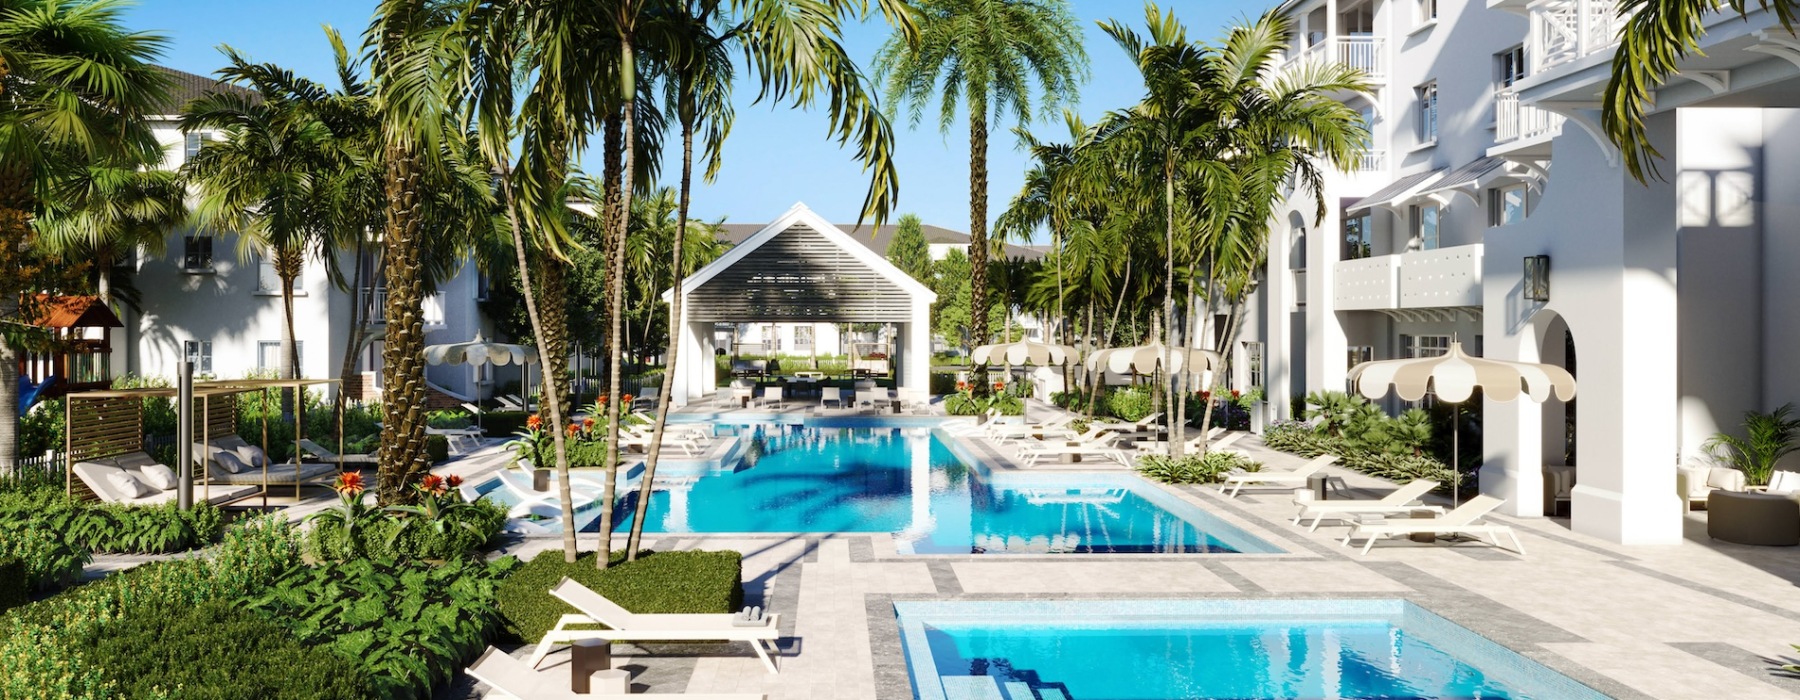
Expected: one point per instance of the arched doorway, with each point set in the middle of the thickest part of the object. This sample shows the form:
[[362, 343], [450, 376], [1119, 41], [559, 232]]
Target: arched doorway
[[1556, 346]]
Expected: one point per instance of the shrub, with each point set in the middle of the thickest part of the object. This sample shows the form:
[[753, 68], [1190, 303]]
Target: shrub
[[1207, 468], [503, 422], [408, 625], [943, 383], [1769, 437], [437, 447], [1130, 404], [385, 536], [218, 651], [41, 429], [15, 588], [658, 582], [107, 527], [449, 419], [50, 561], [1305, 441]]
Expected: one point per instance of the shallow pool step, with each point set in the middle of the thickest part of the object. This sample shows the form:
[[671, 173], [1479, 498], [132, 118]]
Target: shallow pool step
[[1018, 690], [971, 688]]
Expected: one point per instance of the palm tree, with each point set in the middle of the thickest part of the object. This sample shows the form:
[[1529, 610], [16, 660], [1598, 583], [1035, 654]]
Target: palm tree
[[987, 52], [105, 212], [75, 87]]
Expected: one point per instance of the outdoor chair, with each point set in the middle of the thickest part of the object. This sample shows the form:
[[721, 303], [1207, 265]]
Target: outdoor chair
[[1216, 439], [1236, 481], [103, 476], [627, 626], [507, 402], [1399, 501], [1147, 426], [772, 397], [1001, 433], [873, 397], [830, 395], [649, 397], [1463, 520], [324, 455], [520, 485], [1696, 483], [516, 679]]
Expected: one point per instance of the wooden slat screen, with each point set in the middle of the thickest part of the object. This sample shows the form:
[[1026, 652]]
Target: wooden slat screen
[[100, 428], [221, 416], [799, 275]]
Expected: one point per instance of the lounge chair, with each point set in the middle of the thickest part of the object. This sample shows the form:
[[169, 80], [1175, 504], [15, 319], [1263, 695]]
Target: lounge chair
[[473, 409], [324, 455], [1146, 426], [1463, 520], [627, 626], [1401, 500], [528, 471], [516, 679], [97, 475], [872, 396], [772, 397], [520, 485], [1216, 439], [830, 395], [523, 405], [649, 397], [1001, 433], [642, 441], [506, 402], [1238, 480], [1094, 442]]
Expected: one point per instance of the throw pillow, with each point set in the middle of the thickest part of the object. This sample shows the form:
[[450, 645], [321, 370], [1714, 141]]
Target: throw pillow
[[127, 485], [1728, 479], [1784, 482], [252, 456], [159, 476], [229, 461]]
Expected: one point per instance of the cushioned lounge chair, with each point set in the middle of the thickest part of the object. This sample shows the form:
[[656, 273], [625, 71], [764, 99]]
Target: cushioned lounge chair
[[1463, 520], [324, 455], [517, 679], [94, 473], [627, 626]]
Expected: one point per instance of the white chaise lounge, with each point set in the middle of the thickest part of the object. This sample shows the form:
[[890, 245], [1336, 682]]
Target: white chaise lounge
[[520, 485], [1463, 520], [1236, 482], [99, 476], [516, 679], [320, 453], [628, 626], [1399, 501]]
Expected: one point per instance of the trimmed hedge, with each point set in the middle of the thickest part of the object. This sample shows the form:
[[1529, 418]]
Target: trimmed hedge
[[219, 651], [658, 582], [15, 588], [503, 423], [437, 447], [382, 536]]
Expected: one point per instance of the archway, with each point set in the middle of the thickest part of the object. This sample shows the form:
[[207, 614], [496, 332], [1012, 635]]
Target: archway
[[1556, 346]]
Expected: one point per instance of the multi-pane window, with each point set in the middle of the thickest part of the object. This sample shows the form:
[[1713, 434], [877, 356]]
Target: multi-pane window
[[1358, 240], [201, 351], [1425, 226], [803, 337], [1509, 66], [1428, 11], [197, 253], [192, 142], [1426, 111], [269, 281], [1507, 205], [1253, 364], [268, 354], [1427, 345]]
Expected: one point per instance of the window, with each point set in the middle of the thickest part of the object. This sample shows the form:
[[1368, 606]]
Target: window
[[1425, 226], [1357, 238], [202, 348], [481, 285], [772, 338], [1253, 364], [269, 282], [1507, 205], [1427, 11], [1427, 111], [1357, 355], [268, 354], [193, 142], [1426, 345], [197, 253], [1509, 66], [803, 337]]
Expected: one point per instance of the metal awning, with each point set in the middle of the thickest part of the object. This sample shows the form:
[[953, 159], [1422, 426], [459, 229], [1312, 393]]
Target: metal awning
[[1467, 175], [1396, 191]]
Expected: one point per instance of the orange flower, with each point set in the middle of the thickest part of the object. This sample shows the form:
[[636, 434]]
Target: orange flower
[[603, 399], [433, 484], [587, 423], [534, 422], [453, 481], [573, 429], [349, 484], [626, 398], [999, 386]]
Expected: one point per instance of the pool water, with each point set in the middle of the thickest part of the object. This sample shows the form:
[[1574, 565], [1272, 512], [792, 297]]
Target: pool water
[[794, 478], [1190, 650]]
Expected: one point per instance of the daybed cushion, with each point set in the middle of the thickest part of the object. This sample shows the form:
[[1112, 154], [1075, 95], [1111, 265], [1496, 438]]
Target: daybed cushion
[[93, 473], [252, 455], [127, 485], [278, 474], [1728, 479], [159, 476]]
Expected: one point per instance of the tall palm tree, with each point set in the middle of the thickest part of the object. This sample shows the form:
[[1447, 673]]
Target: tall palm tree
[[104, 212], [75, 87], [987, 53]]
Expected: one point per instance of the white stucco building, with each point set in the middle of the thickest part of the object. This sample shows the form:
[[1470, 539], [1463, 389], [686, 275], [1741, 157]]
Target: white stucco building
[[1486, 150]]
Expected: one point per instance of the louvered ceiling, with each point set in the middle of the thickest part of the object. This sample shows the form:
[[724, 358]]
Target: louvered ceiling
[[799, 275]]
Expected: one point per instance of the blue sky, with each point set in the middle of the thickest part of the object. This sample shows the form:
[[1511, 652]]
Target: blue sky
[[776, 155]]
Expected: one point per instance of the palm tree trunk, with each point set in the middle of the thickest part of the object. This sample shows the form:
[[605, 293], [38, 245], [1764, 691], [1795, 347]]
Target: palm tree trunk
[[978, 249], [1112, 329], [16, 203], [616, 298], [353, 337], [403, 456], [1171, 405], [646, 482]]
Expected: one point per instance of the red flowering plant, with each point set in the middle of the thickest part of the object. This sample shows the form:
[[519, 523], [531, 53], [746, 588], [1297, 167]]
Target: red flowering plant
[[440, 500], [533, 445], [352, 508]]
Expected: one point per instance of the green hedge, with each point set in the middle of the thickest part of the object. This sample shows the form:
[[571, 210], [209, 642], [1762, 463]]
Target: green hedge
[[219, 651], [49, 560], [15, 588], [1130, 404], [658, 582], [110, 527], [503, 423], [437, 447], [409, 625]]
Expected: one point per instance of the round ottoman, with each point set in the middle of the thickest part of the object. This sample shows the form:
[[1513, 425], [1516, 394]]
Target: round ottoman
[[1753, 518]]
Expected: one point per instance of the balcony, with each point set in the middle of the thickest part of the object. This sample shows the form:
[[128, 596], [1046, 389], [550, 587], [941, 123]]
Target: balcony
[[1563, 31], [1515, 120], [1420, 279], [374, 299], [1365, 53], [1371, 161]]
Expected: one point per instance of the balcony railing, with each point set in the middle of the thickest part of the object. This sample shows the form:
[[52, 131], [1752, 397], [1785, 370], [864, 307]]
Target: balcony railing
[[1367, 283], [1566, 30], [1371, 161], [1364, 53], [1515, 120], [1420, 279], [374, 300]]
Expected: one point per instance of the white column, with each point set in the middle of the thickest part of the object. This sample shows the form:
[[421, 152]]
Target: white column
[[693, 368], [917, 337]]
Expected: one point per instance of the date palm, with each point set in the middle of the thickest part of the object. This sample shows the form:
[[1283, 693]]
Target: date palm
[[987, 53], [103, 213], [75, 86]]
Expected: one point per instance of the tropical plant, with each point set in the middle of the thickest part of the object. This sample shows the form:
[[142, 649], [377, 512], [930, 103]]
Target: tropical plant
[[1768, 437], [77, 88], [351, 510], [987, 53], [1203, 468], [436, 509], [1333, 410], [908, 250], [104, 213]]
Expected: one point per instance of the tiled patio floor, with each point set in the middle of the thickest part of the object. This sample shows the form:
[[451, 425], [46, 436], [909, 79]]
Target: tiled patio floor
[[1700, 620]]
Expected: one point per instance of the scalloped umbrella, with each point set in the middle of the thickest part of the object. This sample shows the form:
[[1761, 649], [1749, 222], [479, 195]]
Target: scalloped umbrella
[[481, 351], [1024, 352], [1146, 359], [1453, 376]]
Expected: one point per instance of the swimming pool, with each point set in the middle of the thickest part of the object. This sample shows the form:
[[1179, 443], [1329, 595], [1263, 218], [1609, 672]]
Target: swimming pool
[[907, 480], [1204, 649]]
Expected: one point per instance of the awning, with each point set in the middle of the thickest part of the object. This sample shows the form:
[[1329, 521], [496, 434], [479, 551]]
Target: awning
[[1395, 192], [1467, 175]]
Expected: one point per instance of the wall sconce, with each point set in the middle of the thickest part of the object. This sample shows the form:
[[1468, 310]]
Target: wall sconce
[[1537, 278]]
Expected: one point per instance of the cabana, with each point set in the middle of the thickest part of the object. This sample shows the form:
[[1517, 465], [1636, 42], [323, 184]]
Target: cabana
[[105, 436]]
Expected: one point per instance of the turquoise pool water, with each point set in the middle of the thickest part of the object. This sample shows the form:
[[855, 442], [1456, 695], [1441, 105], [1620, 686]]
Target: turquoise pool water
[[1216, 649], [793, 478]]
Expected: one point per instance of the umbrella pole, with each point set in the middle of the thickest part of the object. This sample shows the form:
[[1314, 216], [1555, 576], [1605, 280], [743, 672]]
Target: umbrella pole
[[1456, 454]]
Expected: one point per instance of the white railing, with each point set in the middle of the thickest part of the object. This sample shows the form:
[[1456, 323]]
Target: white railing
[[1371, 161], [374, 300], [1566, 30], [1366, 283], [1514, 119], [1364, 53], [1441, 277]]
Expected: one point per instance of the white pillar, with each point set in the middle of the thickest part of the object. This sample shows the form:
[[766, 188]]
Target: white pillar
[[917, 337], [693, 369]]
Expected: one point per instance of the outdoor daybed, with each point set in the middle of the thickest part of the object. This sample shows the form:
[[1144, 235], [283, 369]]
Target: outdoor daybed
[[230, 466], [99, 476]]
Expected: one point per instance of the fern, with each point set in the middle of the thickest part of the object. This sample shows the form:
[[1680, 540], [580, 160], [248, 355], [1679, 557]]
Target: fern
[[1768, 437]]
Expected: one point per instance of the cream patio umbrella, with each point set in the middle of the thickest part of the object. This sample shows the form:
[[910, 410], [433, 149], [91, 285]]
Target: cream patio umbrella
[[1024, 352], [1147, 359], [481, 351], [1453, 376]]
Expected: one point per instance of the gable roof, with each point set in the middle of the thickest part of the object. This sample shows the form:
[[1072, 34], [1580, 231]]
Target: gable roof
[[75, 312], [877, 239], [185, 87]]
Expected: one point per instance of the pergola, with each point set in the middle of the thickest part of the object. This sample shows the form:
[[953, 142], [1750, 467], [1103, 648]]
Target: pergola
[[802, 269]]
